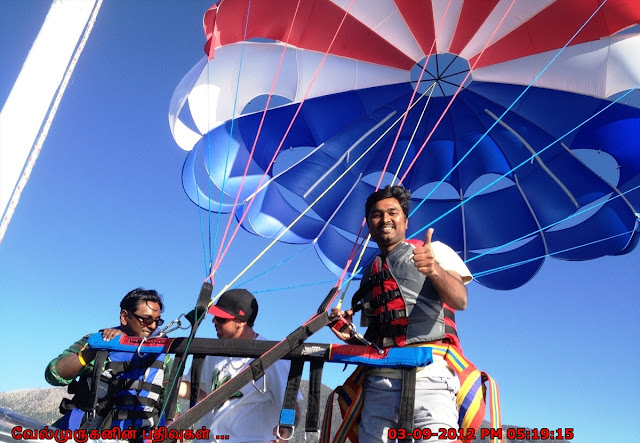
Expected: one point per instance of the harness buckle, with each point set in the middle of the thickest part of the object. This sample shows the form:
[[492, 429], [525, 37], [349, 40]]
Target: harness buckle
[[290, 436], [395, 314], [91, 415], [264, 384]]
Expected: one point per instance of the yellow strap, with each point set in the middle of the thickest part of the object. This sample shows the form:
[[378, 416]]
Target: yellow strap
[[82, 362]]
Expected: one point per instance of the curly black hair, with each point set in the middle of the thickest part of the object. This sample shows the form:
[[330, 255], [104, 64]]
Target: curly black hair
[[398, 192], [132, 300]]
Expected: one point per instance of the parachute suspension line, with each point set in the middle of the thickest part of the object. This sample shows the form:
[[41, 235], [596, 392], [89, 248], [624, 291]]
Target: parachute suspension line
[[415, 158], [356, 265], [44, 131], [525, 161], [255, 142], [352, 254], [524, 262], [315, 76], [365, 241], [303, 213], [261, 291], [212, 244], [268, 182], [345, 155], [354, 249], [210, 272], [360, 140], [415, 90], [415, 130], [202, 237], [583, 211], [226, 163], [282, 262], [328, 222], [174, 380], [208, 258], [505, 111], [300, 250]]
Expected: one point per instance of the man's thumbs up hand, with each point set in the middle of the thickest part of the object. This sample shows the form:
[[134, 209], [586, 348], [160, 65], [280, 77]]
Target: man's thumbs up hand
[[424, 258]]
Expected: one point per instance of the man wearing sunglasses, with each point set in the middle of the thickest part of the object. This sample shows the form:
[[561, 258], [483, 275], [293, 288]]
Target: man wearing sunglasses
[[140, 313], [251, 413]]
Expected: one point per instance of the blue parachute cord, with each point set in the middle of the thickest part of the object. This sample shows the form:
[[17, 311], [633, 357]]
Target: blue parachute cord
[[524, 262], [300, 251], [521, 164], [569, 217], [230, 138], [211, 245], [294, 286], [202, 236], [504, 113]]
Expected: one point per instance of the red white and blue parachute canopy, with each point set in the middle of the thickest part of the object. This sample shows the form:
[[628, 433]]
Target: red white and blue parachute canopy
[[515, 124]]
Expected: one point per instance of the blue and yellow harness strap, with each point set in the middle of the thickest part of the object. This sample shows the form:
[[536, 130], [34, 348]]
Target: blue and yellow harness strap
[[471, 397]]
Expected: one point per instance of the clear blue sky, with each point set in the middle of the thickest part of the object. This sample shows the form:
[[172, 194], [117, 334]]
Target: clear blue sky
[[104, 212]]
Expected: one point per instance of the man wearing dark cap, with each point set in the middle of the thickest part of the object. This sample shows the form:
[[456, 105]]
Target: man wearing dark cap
[[251, 414]]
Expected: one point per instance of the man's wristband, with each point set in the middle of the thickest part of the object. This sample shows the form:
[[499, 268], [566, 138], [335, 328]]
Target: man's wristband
[[82, 362]]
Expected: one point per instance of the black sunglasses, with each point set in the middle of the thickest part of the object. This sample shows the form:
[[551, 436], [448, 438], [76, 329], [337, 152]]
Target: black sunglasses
[[221, 320], [147, 320]]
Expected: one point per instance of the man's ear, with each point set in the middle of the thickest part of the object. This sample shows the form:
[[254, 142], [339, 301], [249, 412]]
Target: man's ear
[[124, 317]]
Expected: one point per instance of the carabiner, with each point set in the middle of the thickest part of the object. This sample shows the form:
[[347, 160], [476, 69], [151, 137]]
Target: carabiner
[[361, 338], [140, 347], [167, 329]]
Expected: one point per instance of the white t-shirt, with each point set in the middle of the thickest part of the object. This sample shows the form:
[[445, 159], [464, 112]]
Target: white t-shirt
[[449, 260], [251, 416]]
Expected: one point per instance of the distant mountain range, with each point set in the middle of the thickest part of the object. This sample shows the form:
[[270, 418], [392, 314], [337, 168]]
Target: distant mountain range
[[42, 405]]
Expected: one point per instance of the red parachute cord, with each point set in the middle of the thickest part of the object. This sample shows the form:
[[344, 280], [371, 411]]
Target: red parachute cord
[[415, 158], [354, 250], [226, 249], [264, 112], [355, 247], [415, 90]]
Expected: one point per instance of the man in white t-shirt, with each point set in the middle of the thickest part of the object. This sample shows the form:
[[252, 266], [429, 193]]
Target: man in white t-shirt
[[252, 413]]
